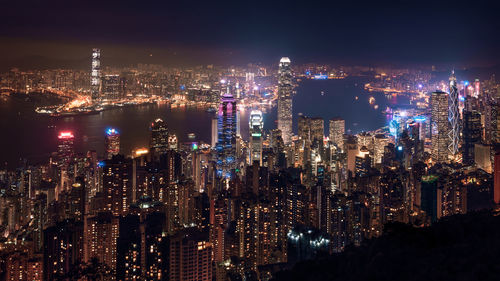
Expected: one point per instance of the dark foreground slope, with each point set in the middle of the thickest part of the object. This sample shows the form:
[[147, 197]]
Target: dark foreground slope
[[463, 247]]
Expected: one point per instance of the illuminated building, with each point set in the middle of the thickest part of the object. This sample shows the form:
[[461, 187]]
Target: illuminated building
[[336, 221], [173, 143], [117, 186], [392, 199], [477, 88], [453, 116], [304, 129], [496, 179], [190, 256], [141, 245], [95, 75], [159, 137], [351, 151], [256, 129], [439, 124], [337, 131], [254, 230], [111, 88], [363, 162], [493, 130], [471, 135], [65, 147], [285, 88], [379, 143], [101, 236], [63, 248], [112, 142], [295, 205], [317, 129], [214, 132], [366, 139], [226, 140], [482, 156]]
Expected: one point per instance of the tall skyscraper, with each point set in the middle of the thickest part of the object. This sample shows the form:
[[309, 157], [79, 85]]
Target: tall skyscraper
[[112, 142], [117, 186], [226, 132], [256, 128], [285, 88], [311, 128], [471, 135], [439, 126], [337, 131], [159, 137], [379, 143], [65, 147], [453, 116], [317, 129], [95, 75], [101, 235], [214, 131]]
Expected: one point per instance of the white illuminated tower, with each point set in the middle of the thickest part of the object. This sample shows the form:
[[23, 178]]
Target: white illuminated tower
[[95, 75], [285, 88], [453, 116], [256, 127]]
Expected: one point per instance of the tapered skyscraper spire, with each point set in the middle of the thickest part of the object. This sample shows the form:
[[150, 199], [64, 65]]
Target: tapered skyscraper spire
[[453, 115], [285, 88]]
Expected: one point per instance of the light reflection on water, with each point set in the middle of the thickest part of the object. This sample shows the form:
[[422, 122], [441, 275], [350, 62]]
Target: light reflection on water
[[27, 134]]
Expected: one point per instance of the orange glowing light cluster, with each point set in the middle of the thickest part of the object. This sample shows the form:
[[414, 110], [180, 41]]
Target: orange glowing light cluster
[[141, 151]]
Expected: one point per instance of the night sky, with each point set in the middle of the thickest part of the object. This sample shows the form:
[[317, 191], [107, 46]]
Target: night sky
[[190, 32]]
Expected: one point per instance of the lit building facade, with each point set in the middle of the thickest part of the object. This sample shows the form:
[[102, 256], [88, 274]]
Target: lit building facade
[[112, 142], [256, 130], [111, 87], [190, 256], [95, 75], [337, 131], [379, 143], [439, 126], [453, 116], [65, 147], [159, 137], [471, 135], [226, 132], [285, 88]]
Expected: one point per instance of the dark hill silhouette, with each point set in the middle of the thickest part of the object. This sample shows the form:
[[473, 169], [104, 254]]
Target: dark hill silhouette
[[461, 247]]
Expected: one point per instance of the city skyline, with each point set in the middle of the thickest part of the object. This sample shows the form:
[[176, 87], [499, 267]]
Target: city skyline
[[265, 141]]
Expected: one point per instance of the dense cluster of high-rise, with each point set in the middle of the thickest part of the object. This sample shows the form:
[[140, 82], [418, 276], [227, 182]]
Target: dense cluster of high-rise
[[235, 208]]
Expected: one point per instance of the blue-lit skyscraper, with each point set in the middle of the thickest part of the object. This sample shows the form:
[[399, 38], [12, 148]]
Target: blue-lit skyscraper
[[112, 142], [453, 115], [226, 136]]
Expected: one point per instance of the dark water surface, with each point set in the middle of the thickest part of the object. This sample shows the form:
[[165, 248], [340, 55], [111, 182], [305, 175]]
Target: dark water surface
[[25, 134]]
